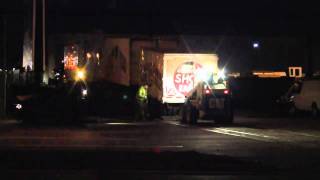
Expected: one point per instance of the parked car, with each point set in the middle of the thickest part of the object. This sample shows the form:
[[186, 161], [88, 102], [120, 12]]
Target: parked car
[[305, 96], [48, 104]]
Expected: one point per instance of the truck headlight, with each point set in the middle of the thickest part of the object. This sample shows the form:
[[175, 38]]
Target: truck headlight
[[84, 92], [221, 74], [203, 74]]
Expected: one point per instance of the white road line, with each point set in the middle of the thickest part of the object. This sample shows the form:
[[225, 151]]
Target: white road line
[[250, 135], [240, 135], [129, 124], [176, 123], [246, 133], [306, 134], [232, 133], [179, 146], [121, 123]]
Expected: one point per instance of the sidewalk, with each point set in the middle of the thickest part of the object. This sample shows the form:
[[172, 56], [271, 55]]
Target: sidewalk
[[8, 121]]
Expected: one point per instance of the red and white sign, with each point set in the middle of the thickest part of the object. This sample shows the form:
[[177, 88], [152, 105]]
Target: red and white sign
[[180, 74], [184, 77]]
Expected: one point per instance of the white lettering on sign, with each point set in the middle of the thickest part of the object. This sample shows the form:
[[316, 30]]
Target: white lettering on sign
[[184, 77], [177, 78]]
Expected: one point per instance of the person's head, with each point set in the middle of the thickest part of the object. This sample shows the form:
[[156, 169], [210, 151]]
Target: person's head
[[146, 86]]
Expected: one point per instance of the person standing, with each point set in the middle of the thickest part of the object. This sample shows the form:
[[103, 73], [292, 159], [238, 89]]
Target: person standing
[[142, 103]]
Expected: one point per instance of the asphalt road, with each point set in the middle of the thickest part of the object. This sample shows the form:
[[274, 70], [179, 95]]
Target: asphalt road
[[251, 145]]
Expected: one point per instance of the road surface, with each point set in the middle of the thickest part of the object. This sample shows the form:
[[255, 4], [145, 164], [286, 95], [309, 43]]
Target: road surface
[[251, 144]]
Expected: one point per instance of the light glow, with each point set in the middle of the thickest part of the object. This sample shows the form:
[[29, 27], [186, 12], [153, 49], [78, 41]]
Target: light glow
[[89, 55], [221, 74], [203, 74], [84, 92], [18, 106], [80, 74]]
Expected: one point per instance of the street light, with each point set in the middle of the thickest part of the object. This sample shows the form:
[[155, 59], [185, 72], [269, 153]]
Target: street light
[[98, 57], [88, 55], [80, 75], [256, 45]]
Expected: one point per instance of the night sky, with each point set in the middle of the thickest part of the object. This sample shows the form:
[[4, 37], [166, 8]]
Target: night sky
[[252, 19], [263, 17]]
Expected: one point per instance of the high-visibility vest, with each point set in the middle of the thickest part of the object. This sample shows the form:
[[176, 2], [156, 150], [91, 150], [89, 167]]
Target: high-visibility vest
[[142, 94]]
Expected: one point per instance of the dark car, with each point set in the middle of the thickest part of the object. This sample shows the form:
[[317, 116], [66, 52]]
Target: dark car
[[59, 104]]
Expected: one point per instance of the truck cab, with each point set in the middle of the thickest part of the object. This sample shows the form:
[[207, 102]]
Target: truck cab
[[209, 100]]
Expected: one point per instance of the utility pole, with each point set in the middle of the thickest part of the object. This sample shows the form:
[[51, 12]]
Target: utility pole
[[4, 108], [39, 39]]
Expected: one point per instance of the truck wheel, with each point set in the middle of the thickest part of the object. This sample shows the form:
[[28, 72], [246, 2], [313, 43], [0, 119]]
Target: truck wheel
[[183, 115], [191, 115], [314, 110], [188, 116]]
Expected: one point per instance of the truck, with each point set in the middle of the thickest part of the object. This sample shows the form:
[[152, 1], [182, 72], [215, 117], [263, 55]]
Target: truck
[[195, 84]]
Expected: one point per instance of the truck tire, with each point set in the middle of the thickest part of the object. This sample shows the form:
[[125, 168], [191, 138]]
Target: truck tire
[[191, 115], [183, 115], [314, 110]]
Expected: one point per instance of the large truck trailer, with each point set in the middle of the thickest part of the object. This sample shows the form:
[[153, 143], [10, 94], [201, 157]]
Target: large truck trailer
[[194, 85]]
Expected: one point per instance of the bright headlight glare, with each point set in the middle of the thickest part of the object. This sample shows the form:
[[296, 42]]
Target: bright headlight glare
[[203, 74], [19, 106], [80, 74], [221, 74], [84, 92]]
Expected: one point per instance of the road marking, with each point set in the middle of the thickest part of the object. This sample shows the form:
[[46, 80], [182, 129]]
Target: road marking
[[306, 134], [243, 135], [129, 124], [281, 137], [176, 123], [120, 123], [232, 132], [178, 146], [246, 133]]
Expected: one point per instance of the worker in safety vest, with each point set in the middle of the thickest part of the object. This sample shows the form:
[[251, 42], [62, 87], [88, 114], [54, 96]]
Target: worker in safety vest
[[142, 103]]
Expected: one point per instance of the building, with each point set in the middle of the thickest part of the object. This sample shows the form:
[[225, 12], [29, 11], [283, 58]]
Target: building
[[116, 59], [125, 59]]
